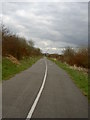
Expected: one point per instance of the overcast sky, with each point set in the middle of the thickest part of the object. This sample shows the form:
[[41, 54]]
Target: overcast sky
[[50, 25]]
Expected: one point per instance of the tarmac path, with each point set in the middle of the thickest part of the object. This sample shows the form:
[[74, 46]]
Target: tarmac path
[[59, 97]]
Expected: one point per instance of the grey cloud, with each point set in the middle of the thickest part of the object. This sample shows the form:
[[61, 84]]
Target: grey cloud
[[50, 25]]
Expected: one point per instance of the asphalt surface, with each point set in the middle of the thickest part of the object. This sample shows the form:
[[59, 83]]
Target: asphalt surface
[[60, 97]]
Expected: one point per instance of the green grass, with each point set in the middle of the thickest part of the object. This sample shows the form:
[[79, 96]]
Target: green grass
[[0, 71], [9, 69], [79, 78]]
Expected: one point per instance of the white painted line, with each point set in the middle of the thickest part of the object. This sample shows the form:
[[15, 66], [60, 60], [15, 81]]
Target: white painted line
[[39, 94]]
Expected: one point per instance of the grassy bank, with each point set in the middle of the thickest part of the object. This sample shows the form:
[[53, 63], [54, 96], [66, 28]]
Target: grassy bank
[[79, 78], [0, 71], [9, 69]]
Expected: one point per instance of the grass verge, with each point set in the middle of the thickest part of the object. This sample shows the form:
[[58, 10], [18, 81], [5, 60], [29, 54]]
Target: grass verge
[[9, 69], [79, 78], [0, 71]]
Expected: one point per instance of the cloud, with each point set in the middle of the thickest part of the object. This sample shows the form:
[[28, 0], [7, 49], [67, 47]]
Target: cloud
[[44, 1], [50, 25]]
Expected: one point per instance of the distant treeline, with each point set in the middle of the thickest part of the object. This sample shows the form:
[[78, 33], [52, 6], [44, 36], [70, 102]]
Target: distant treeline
[[17, 46], [78, 57]]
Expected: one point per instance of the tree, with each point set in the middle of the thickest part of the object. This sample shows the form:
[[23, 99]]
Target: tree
[[69, 55], [31, 43], [17, 46]]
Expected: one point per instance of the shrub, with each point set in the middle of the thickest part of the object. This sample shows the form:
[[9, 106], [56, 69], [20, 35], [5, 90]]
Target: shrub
[[17, 46]]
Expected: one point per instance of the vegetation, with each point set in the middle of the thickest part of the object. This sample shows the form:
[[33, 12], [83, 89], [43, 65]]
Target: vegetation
[[75, 63], [80, 78], [0, 71], [78, 57], [18, 48], [9, 69]]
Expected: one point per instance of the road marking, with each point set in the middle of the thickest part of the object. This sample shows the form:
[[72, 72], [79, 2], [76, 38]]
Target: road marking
[[39, 94]]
